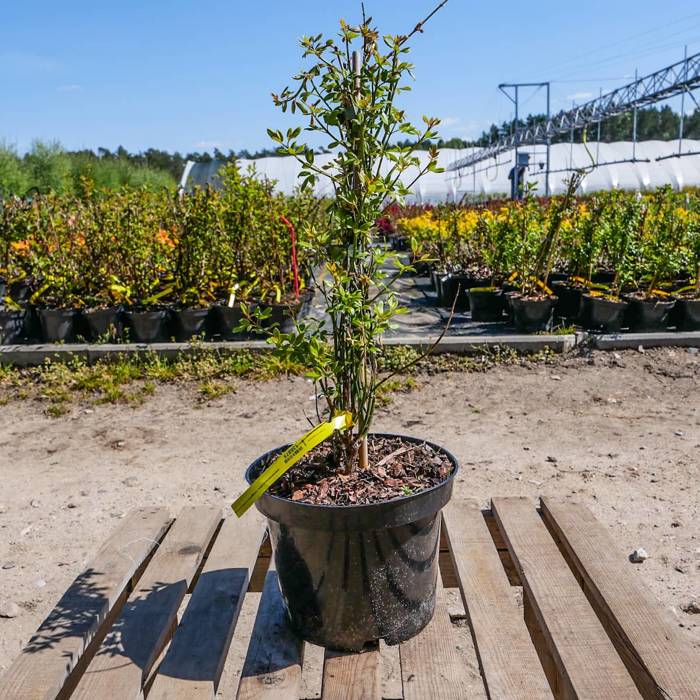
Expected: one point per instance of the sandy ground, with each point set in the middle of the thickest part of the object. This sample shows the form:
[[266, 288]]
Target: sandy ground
[[621, 432]]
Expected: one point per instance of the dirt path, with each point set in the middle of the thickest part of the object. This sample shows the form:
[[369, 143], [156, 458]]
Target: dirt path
[[619, 431]]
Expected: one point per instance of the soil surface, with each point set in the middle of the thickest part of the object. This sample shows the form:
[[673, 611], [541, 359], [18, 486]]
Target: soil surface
[[618, 431], [397, 468]]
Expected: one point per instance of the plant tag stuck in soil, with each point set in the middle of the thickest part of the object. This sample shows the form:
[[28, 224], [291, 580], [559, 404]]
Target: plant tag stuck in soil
[[288, 459]]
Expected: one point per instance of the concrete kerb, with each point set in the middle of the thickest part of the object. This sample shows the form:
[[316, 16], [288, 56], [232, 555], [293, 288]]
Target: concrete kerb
[[31, 355], [622, 341]]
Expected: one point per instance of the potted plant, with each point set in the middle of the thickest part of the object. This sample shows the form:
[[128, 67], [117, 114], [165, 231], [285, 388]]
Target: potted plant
[[355, 524], [659, 258], [141, 280], [498, 245], [532, 305], [192, 262], [425, 241], [102, 311], [54, 255], [259, 257], [582, 247], [464, 255], [15, 246], [686, 313], [602, 309]]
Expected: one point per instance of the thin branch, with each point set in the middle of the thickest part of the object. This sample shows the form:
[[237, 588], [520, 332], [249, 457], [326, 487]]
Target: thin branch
[[420, 25], [429, 351]]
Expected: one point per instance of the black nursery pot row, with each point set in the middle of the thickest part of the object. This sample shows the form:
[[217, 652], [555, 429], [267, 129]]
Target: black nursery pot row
[[571, 304], [157, 325], [599, 313], [454, 288]]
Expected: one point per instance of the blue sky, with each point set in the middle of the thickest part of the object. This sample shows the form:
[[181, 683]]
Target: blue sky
[[188, 75]]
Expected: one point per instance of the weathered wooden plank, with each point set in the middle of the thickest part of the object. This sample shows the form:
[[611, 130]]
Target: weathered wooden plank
[[194, 662], [140, 633], [431, 664], [81, 614], [658, 657], [348, 676], [272, 668], [390, 681], [509, 662], [503, 553], [312, 672], [588, 666], [257, 577], [447, 572]]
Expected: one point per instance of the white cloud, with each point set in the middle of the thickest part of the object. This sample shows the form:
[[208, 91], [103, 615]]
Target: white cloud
[[447, 122], [207, 145], [579, 96], [73, 87]]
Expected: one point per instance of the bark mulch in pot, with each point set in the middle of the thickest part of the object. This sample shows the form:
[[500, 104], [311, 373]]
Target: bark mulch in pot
[[397, 468]]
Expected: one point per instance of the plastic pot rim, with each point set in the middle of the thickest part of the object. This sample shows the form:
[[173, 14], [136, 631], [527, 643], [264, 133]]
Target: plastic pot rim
[[323, 511]]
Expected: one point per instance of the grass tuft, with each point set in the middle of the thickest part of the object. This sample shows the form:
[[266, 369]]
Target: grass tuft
[[131, 379]]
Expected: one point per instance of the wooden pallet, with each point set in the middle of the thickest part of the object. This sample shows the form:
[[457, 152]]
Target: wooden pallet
[[155, 612]]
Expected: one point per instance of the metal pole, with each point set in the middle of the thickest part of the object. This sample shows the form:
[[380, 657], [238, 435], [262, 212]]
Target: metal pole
[[571, 137], [600, 122], [516, 178], [685, 79], [634, 117], [549, 147]]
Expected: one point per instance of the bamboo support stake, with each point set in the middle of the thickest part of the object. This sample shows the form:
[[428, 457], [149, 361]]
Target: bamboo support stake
[[356, 69], [364, 455]]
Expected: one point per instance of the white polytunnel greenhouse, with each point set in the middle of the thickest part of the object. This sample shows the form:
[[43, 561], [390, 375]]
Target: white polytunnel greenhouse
[[621, 165]]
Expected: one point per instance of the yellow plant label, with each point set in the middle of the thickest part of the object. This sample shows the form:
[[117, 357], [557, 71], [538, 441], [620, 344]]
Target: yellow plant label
[[543, 286], [288, 459]]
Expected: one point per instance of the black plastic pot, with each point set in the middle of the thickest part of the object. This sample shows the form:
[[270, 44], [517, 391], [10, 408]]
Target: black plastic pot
[[647, 314], [600, 314], [58, 325], [569, 297], [453, 286], [103, 324], [456, 285], [283, 315], [486, 304], [148, 326], [603, 277], [400, 243], [556, 278], [20, 291], [354, 574], [531, 315], [440, 280], [33, 325], [686, 314], [12, 326], [433, 279], [422, 268], [188, 323], [224, 321]]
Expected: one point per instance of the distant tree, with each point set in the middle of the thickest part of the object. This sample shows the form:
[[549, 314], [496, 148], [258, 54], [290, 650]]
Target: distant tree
[[13, 174], [49, 167]]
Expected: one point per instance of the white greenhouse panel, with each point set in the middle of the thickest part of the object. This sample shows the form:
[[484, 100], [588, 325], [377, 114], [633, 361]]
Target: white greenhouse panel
[[616, 170]]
